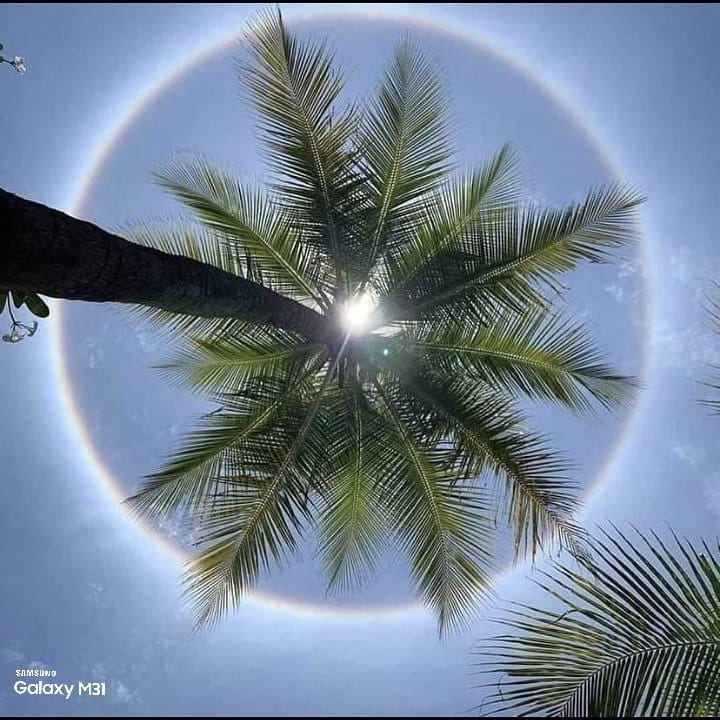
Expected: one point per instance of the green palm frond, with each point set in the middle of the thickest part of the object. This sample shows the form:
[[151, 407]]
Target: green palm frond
[[405, 142], [296, 88], [255, 521], [211, 451], [253, 225], [191, 240], [445, 529], [352, 526], [537, 354], [219, 366], [489, 436], [636, 634], [406, 434], [515, 253], [258, 515], [457, 210], [203, 457]]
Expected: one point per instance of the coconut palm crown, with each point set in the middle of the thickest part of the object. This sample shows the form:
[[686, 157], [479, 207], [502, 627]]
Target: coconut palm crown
[[434, 286]]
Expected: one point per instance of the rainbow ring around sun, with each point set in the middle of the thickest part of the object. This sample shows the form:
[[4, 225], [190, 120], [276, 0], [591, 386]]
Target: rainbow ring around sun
[[418, 17]]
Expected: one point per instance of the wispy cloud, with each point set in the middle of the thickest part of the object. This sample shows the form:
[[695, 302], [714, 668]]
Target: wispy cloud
[[121, 694], [689, 455], [689, 347]]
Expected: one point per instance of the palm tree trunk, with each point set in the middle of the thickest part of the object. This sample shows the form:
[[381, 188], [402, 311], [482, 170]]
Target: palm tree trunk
[[48, 252]]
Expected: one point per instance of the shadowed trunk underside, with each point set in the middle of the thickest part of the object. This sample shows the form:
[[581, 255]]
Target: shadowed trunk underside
[[45, 251]]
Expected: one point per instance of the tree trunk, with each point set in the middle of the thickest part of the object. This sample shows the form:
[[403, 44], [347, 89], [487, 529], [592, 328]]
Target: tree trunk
[[48, 252]]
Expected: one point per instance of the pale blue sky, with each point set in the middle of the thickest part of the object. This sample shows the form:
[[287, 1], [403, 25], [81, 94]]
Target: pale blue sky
[[86, 591]]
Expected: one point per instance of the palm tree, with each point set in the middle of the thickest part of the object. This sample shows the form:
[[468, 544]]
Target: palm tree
[[399, 313], [381, 434], [636, 633]]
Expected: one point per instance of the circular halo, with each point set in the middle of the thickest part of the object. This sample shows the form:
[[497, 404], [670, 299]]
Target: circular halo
[[416, 17]]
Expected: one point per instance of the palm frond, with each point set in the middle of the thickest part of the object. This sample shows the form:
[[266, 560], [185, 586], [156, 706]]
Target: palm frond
[[189, 239], [404, 140], [457, 209], [295, 89], [211, 451], [444, 528], [352, 526], [255, 518], [536, 354], [637, 634], [252, 224], [252, 523], [203, 458], [218, 366], [489, 435], [516, 252]]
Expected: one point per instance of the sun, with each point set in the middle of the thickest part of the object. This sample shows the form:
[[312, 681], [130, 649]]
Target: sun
[[358, 312]]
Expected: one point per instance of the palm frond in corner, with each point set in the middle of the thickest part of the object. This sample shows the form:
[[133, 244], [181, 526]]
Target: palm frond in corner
[[635, 632]]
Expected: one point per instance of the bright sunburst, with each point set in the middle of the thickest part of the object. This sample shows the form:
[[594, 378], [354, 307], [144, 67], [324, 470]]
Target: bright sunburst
[[359, 312]]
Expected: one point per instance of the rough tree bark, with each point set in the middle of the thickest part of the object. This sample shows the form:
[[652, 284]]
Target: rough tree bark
[[50, 253]]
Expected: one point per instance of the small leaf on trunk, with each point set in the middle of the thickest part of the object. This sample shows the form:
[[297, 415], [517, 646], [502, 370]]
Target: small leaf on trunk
[[18, 297], [36, 305]]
